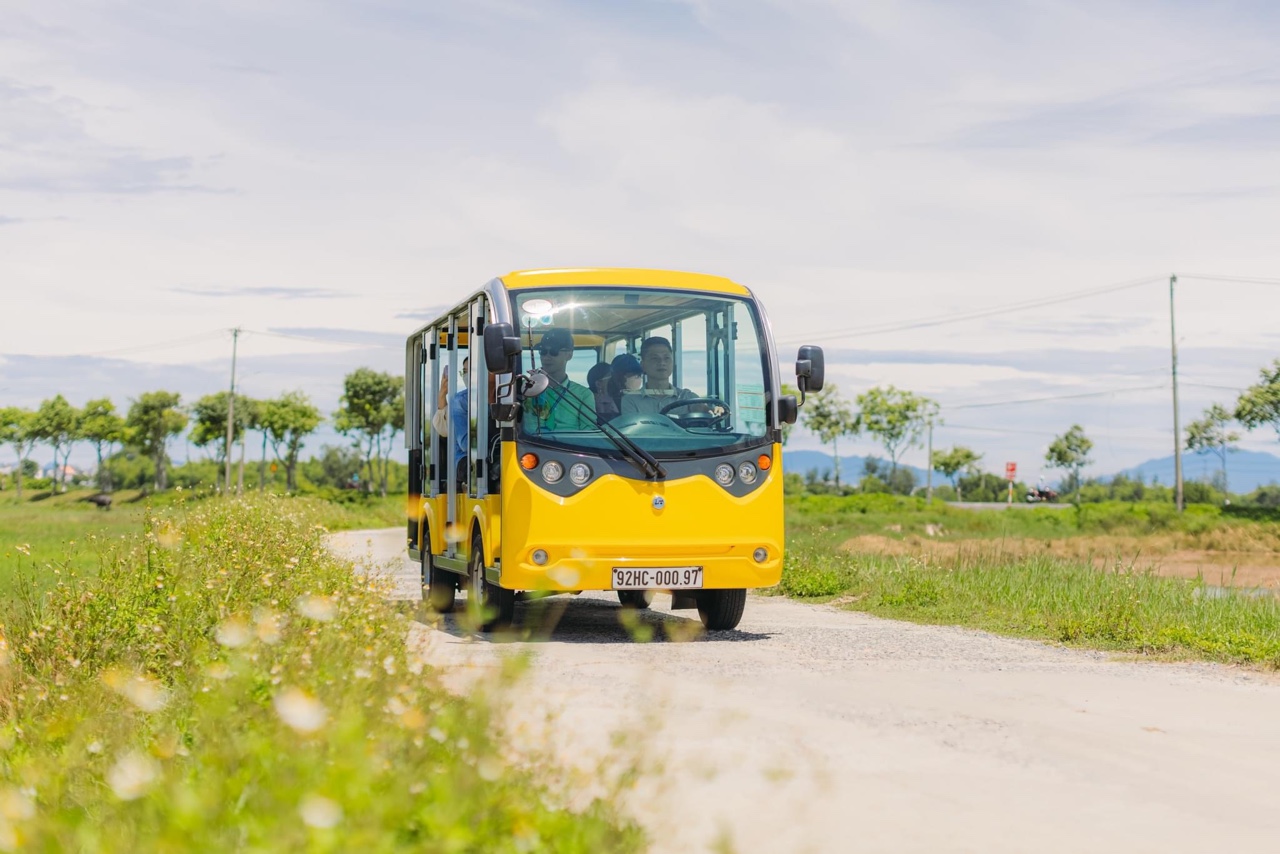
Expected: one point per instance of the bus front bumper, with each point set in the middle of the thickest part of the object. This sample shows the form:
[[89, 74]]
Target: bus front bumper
[[569, 568]]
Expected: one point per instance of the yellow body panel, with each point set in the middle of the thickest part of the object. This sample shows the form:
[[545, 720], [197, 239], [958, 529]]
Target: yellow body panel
[[612, 522], [622, 276]]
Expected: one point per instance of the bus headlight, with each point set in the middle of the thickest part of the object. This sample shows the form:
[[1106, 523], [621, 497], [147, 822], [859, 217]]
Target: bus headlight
[[747, 472], [540, 557], [724, 474], [760, 555], [552, 471], [579, 473]]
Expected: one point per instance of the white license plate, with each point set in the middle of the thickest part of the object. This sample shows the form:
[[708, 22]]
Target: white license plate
[[657, 578]]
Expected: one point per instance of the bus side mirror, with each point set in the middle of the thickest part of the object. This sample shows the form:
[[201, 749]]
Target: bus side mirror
[[788, 409], [810, 369], [500, 344]]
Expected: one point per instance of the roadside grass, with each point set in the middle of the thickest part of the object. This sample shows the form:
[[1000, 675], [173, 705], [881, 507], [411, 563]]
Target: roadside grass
[[65, 532], [222, 682], [1201, 526], [1042, 597]]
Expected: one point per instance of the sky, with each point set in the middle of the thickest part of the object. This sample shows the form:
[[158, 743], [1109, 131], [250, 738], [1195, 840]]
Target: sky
[[326, 175]]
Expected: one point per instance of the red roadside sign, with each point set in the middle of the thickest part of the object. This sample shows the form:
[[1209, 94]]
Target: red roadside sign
[[1010, 471]]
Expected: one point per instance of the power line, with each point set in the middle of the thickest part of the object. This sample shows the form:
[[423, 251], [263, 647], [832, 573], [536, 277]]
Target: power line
[[1055, 397], [320, 340], [1249, 280], [158, 345], [939, 320]]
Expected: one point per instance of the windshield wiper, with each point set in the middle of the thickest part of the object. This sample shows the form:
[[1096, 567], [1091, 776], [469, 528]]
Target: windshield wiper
[[633, 453]]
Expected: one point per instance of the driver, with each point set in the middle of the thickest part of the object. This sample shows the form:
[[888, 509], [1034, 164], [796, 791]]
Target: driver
[[565, 405], [656, 364]]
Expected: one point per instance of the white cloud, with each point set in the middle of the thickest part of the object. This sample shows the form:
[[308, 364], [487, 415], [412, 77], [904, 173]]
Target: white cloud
[[856, 163]]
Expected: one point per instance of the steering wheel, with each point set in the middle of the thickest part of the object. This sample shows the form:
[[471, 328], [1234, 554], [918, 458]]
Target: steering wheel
[[700, 419]]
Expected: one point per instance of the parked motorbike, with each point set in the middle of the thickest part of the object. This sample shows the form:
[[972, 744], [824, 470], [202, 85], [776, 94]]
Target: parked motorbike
[[1036, 494]]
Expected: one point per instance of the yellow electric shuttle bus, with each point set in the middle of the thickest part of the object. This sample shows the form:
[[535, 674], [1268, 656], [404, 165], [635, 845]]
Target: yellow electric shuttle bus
[[599, 429]]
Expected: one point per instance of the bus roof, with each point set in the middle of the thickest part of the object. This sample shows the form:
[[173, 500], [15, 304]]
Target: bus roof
[[622, 276]]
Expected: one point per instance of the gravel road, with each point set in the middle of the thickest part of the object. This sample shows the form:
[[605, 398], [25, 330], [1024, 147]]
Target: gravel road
[[816, 729]]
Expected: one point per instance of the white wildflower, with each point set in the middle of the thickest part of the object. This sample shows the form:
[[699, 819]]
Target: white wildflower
[[267, 625], [18, 804], [233, 633], [143, 691], [318, 608], [319, 812], [489, 768], [300, 710], [132, 775]]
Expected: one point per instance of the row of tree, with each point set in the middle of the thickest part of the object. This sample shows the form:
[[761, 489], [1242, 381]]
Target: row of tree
[[370, 414], [898, 419]]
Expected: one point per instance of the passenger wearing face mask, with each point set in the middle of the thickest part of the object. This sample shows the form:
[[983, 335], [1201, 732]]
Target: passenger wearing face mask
[[451, 421]]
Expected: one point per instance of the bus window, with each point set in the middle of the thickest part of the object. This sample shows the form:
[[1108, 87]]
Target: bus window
[[703, 358]]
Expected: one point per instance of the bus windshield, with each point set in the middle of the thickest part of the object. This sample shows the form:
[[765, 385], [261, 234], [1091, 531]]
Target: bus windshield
[[678, 373]]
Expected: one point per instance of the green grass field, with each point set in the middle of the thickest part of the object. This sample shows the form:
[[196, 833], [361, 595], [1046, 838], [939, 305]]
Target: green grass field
[[218, 681], [43, 533], [992, 585]]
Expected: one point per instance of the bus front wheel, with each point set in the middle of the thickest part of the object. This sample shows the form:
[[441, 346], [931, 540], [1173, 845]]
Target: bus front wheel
[[638, 599], [721, 610], [491, 606]]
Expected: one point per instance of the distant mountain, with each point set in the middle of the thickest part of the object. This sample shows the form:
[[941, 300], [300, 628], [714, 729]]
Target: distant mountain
[[801, 462], [1246, 470]]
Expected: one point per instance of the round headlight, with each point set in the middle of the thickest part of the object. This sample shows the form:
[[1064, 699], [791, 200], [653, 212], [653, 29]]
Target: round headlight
[[552, 471], [747, 471], [579, 473], [539, 557], [760, 555], [724, 474]]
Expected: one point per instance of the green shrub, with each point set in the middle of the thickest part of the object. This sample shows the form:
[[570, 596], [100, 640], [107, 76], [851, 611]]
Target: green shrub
[[224, 683]]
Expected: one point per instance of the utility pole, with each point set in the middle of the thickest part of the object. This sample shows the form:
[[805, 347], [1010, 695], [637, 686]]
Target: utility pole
[[231, 406], [1177, 424], [928, 477]]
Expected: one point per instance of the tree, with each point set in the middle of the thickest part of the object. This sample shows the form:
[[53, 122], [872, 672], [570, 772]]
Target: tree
[[152, 419], [209, 424], [897, 418], [1259, 404], [102, 427], [951, 463], [371, 412], [1210, 435], [1070, 452], [15, 430], [287, 420], [828, 416], [57, 424]]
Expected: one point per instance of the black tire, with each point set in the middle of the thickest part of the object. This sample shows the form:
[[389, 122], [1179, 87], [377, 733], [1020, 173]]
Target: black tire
[[638, 599], [439, 586], [491, 606], [721, 610]]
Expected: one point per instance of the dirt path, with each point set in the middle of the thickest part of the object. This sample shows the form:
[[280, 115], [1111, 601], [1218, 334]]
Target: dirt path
[[814, 729], [1257, 567]]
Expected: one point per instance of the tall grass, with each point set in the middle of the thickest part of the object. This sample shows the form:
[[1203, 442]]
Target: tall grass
[[223, 683], [1046, 598], [1201, 525]]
